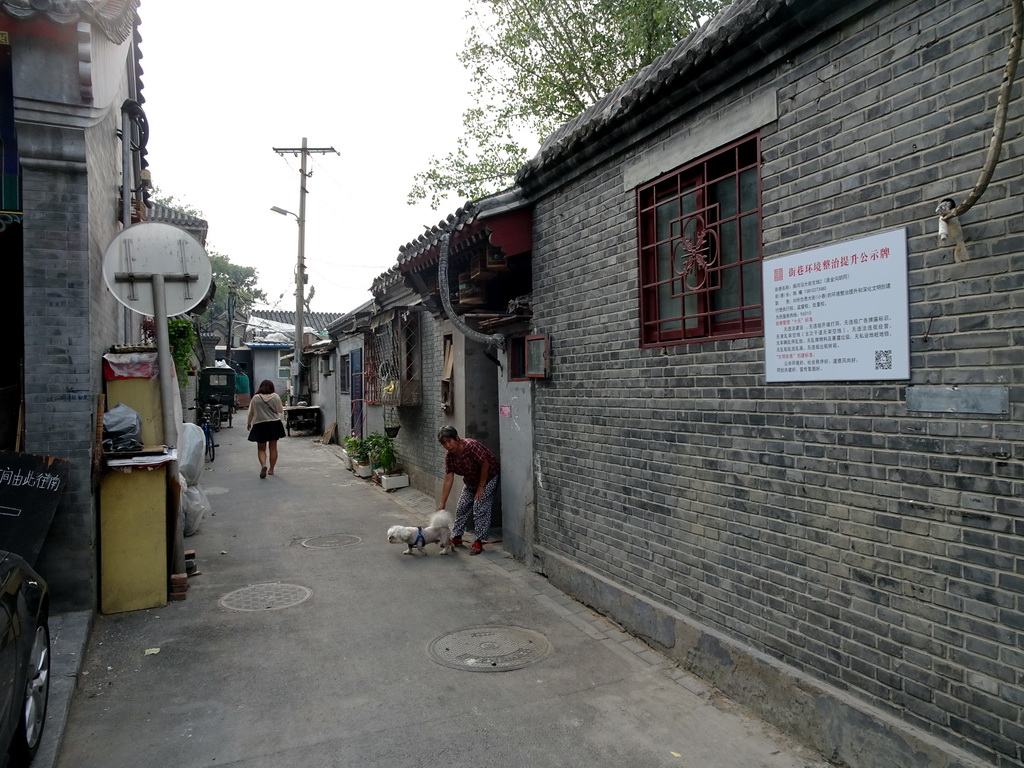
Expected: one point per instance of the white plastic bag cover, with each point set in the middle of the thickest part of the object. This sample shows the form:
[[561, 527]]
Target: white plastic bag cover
[[194, 505], [191, 452]]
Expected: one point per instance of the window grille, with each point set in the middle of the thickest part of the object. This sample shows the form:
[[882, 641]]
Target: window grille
[[393, 373], [700, 249]]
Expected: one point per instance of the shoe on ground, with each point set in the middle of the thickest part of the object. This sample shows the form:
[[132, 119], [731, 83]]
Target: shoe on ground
[[263, 472], [456, 541], [477, 548]]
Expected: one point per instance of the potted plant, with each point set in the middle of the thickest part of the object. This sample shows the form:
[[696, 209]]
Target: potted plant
[[346, 453], [383, 456], [382, 452], [359, 449]]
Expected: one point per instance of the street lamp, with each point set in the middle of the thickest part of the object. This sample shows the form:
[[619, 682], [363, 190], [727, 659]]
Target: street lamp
[[300, 280]]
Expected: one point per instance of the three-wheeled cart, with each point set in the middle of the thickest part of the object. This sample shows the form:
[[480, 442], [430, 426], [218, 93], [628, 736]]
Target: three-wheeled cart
[[217, 392], [305, 418]]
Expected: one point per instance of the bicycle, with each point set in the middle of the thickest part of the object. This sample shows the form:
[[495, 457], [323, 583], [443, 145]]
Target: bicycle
[[204, 421], [214, 412]]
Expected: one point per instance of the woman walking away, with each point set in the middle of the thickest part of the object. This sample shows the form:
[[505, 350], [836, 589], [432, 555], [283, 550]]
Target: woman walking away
[[264, 424]]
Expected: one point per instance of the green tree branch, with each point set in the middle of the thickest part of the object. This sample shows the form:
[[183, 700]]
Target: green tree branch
[[535, 64]]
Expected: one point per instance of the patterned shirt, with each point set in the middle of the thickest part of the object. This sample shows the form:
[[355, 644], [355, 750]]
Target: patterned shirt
[[470, 462]]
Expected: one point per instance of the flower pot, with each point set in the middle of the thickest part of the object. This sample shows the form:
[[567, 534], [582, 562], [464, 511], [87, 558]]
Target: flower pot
[[392, 431], [390, 482], [363, 470]]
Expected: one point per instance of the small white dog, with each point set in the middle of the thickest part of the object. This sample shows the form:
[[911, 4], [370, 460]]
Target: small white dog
[[440, 530]]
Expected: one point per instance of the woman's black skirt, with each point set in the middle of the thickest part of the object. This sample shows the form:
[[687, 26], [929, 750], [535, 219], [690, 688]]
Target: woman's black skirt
[[265, 431]]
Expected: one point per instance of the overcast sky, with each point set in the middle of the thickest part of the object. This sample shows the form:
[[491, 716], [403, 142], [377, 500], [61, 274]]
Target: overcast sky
[[226, 82]]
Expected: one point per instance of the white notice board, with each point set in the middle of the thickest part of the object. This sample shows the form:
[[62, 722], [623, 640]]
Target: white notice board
[[839, 313]]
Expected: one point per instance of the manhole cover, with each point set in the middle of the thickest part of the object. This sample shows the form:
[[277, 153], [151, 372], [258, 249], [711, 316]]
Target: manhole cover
[[489, 649], [333, 541], [265, 597]]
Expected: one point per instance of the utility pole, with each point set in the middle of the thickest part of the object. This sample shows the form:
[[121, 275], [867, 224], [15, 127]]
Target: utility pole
[[300, 270], [231, 320]]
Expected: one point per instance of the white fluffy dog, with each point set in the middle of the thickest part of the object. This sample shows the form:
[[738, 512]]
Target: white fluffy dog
[[440, 530]]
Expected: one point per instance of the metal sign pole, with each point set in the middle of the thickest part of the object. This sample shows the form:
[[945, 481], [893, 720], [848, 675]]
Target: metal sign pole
[[163, 359], [167, 395]]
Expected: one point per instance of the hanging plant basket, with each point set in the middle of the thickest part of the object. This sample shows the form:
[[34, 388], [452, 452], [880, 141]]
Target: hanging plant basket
[[391, 421]]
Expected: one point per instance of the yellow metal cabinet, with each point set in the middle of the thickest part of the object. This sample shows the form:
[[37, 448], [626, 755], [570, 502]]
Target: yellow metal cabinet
[[133, 539]]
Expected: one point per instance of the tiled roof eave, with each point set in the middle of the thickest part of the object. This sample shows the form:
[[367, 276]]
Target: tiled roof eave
[[387, 280], [116, 18], [425, 249], [167, 215], [317, 320], [468, 225], [739, 36]]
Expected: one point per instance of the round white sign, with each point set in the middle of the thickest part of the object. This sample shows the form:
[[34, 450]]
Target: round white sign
[[152, 248]]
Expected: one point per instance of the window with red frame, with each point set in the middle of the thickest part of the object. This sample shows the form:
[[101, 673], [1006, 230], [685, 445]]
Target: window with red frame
[[700, 249]]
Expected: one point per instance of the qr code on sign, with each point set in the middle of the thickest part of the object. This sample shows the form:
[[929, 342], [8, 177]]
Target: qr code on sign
[[883, 359]]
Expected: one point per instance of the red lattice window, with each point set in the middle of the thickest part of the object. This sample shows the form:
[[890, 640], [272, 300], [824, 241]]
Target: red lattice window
[[700, 249]]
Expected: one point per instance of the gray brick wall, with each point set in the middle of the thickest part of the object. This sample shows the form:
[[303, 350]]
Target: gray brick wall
[[60, 395], [417, 446], [70, 184], [873, 548], [418, 450]]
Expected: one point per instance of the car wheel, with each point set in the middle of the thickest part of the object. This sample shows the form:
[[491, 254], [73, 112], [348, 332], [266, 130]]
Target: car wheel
[[37, 691]]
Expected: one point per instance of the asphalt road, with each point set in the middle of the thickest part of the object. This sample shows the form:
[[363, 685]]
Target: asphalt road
[[307, 640]]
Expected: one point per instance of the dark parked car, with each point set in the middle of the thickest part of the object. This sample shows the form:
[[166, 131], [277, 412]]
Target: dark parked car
[[24, 660]]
